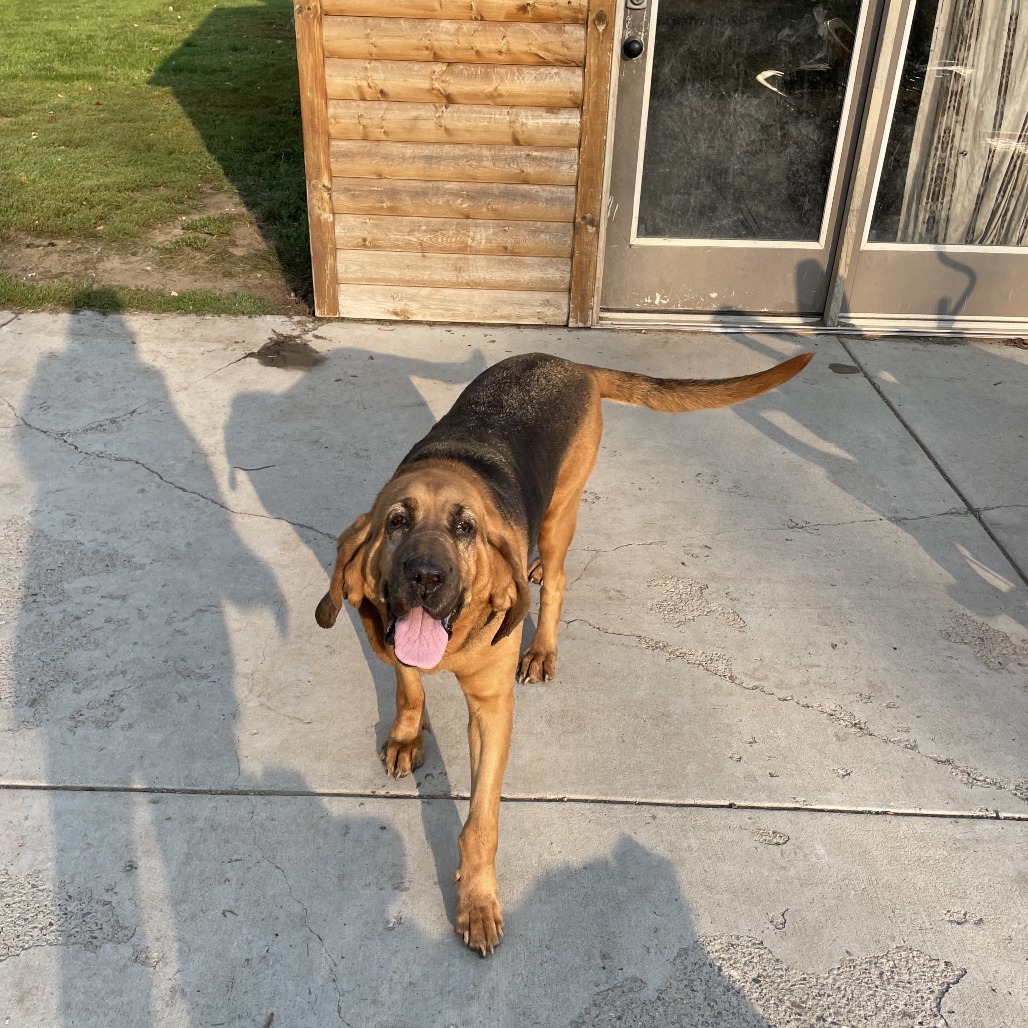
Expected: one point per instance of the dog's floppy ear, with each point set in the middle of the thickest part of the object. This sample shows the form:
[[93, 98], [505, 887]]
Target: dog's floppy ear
[[510, 584], [348, 574]]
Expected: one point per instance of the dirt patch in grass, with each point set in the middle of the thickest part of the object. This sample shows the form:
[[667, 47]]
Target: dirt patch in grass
[[218, 247]]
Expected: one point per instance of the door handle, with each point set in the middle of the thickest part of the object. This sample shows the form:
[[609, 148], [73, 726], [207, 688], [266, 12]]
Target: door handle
[[632, 48]]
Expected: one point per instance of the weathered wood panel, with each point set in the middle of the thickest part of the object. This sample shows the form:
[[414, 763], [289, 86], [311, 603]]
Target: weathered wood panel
[[498, 202], [453, 235], [460, 162], [589, 201], [572, 11], [488, 306], [476, 42], [447, 123], [311, 65], [438, 82], [466, 271], [452, 130]]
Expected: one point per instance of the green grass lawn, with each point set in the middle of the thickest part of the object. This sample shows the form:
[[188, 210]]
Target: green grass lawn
[[117, 116]]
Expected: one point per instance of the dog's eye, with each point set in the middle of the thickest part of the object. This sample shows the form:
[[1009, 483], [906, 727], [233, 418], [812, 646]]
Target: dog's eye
[[397, 519], [464, 527]]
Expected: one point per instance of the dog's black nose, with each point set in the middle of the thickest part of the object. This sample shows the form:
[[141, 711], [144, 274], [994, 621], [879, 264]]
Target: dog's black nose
[[426, 574]]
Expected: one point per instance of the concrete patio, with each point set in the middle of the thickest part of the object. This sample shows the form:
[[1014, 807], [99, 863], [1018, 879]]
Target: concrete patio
[[781, 778]]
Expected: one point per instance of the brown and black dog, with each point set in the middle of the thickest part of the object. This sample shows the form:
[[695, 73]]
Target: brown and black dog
[[438, 568]]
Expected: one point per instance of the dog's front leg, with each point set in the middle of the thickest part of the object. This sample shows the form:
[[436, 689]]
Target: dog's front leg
[[490, 695], [404, 750]]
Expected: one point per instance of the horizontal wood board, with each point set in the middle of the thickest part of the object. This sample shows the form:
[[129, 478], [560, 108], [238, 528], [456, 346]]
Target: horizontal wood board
[[447, 270], [454, 235], [461, 162], [471, 42], [453, 83], [486, 306], [487, 200], [452, 123], [570, 11]]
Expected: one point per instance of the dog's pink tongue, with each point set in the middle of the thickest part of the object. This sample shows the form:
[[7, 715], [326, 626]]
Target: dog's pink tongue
[[420, 640]]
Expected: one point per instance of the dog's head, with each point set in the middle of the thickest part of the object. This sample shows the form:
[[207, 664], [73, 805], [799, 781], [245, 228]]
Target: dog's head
[[433, 559]]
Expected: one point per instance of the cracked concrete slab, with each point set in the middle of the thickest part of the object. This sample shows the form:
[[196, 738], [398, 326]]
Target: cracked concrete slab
[[787, 572], [338, 911]]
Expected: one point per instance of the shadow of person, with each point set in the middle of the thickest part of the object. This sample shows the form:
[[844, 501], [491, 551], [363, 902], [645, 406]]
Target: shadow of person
[[123, 667], [250, 124], [612, 937], [324, 447]]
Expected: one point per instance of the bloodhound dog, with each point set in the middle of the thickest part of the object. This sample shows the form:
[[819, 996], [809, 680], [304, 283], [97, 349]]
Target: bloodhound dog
[[438, 568]]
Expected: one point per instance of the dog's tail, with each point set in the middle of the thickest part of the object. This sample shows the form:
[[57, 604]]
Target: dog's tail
[[675, 395]]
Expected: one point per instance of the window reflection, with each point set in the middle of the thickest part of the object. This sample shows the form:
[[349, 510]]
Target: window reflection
[[746, 99]]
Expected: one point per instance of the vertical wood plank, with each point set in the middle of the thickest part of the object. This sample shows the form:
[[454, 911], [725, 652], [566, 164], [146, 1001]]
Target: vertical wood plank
[[589, 200], [310, 53]]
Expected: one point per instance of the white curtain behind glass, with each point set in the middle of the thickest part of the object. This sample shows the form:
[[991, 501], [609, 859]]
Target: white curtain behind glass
[[967, 181]]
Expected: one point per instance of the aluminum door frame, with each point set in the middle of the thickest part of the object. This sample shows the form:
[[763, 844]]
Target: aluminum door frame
[[714, 277], [917, 287]]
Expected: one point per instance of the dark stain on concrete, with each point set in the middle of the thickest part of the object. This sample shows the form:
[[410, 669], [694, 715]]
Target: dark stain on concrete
[[287, 351]]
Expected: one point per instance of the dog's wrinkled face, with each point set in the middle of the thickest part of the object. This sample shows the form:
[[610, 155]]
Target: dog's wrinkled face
[[430, 552], [427, 566]]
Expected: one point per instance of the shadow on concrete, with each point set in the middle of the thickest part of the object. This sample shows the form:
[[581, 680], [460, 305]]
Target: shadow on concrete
[[231, 908], [828, 446], [357, 394], [122, 663], [250, 124]]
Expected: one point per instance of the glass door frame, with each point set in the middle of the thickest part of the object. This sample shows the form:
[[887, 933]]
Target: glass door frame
[[784, 277], [918, 287]]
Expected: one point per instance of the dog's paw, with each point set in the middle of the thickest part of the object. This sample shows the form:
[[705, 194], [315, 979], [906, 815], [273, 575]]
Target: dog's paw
[[535, 571], [537, 665], [479, 918], [402, 756]]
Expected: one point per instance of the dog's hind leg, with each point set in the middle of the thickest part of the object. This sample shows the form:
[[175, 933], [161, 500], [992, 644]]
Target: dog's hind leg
[[539, 661]]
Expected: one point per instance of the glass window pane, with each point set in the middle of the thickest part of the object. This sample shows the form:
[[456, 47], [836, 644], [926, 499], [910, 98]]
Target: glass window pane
[[956, 163], [746, 100]]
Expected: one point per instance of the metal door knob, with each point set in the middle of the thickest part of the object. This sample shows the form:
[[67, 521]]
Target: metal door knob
[[632, 48]]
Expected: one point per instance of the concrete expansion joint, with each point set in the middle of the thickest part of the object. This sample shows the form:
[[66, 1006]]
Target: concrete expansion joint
[[63, 437], [719, 665], [799, 806], [946, 477]]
